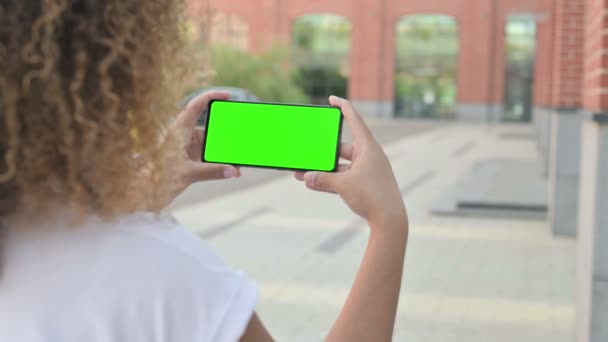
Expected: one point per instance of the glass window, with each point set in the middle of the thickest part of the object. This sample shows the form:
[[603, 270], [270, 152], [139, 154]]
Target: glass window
[[321, 55], [426, 63], [520, 56]]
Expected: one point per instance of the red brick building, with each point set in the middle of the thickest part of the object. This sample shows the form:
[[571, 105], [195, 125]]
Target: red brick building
[[481, 26]]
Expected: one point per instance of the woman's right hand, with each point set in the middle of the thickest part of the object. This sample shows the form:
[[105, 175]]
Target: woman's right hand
[[367, 184]]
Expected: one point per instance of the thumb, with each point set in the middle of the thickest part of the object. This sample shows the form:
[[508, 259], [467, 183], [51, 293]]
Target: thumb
[[200, 172], [321, 181]]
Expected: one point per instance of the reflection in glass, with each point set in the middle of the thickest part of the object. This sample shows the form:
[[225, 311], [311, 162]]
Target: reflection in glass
[[426, 63], [520, 55], [321, 46]]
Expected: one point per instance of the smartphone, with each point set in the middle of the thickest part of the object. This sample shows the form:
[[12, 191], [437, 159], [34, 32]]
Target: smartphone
[[272, 135]]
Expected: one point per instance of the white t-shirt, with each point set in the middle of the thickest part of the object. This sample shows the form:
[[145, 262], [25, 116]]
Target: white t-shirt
[[141, 278]]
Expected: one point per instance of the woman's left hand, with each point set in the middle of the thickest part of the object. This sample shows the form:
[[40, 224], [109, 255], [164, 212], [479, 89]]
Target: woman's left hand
[[185, 126]]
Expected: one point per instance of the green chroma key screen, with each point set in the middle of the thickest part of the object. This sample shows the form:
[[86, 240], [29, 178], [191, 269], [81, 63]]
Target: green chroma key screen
[[273, 135]]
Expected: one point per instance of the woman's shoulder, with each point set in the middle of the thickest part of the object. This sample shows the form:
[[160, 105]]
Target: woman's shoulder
[[137, 247], [169, 259], [135, 269], [166, 237]]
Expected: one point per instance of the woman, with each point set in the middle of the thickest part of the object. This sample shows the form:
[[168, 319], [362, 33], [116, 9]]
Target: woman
[[87, 161]]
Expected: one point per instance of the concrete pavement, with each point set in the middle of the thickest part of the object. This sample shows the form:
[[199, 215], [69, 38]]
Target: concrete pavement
[[470, 279]]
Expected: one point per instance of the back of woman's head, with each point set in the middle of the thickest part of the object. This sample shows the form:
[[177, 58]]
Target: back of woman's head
[[85, 99]]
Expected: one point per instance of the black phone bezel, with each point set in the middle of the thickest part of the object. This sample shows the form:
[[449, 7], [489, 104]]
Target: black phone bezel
[[338, 143]]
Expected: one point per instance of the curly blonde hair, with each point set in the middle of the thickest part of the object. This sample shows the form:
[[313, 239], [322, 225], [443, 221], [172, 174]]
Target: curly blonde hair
[[86, 96]]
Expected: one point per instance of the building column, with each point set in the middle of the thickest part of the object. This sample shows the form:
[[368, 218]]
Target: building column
[[564, 132], [542, 119], [564, 170], [592, 251], [592, 264], [543, 84]]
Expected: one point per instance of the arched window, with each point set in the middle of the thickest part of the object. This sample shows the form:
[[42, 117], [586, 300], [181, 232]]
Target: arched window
[[321, 45], [426, 66], [520, 56]]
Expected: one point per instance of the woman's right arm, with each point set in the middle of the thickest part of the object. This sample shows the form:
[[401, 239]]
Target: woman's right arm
[[368, 186]]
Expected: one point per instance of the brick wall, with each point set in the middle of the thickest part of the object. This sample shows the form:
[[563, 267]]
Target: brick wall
[[568, 53], [481, 27], [596, 56]]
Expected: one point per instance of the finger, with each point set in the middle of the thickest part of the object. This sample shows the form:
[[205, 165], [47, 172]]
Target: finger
[[312, 187], [200, 172], [343, 167], [346, 151], [199, 134], [321, 181], [198, 137], [189, 116], [195, 147], [354, 120]]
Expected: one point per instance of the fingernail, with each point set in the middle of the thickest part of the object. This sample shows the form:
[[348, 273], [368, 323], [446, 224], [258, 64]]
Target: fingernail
[[229, 172]]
